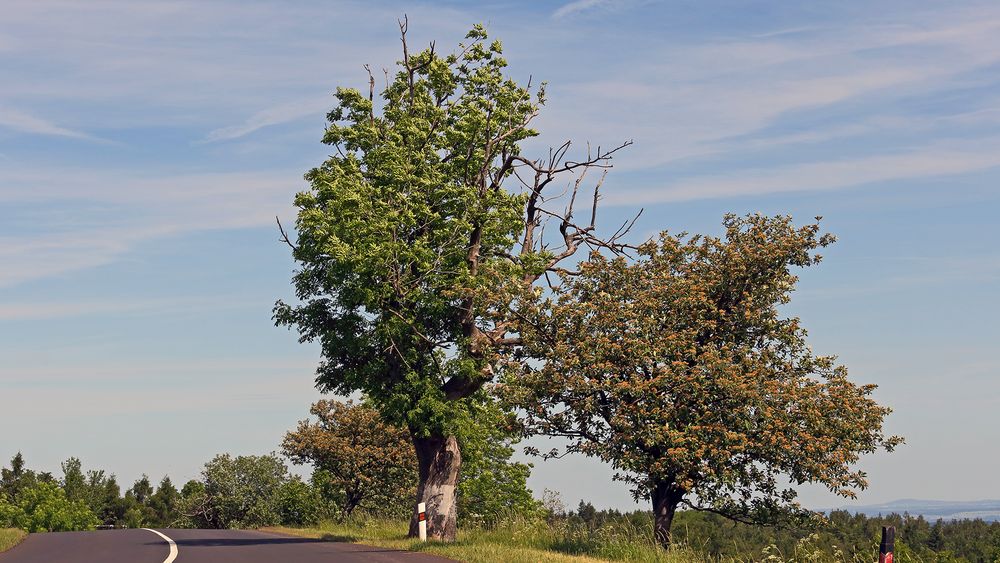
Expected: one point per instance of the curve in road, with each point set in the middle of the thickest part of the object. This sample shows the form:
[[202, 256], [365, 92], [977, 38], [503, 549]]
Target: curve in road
[[197, 546]]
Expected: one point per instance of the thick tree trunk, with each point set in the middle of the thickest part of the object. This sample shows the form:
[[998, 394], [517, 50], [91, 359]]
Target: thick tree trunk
[[665, 497], [439, 461]]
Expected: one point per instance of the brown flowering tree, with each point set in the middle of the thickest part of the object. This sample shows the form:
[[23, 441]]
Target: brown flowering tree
[[365, 462], [680, 370]]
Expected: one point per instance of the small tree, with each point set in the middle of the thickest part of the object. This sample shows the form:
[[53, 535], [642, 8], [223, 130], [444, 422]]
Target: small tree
[[16, 479], [365, 462], [165, 503], [238, 492], [418, 233], [680, 371]]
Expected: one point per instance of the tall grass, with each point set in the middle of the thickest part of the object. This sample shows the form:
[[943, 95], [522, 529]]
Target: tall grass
[[511, 540], [9, 537], [526, 540]]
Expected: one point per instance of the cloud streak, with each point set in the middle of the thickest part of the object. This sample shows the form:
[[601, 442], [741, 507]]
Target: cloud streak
[[578, 6], [927, 162], [25, 123], [276, 115]]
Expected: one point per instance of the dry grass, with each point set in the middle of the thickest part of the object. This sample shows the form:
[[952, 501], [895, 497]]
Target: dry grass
[[514, 542], [9, 537]]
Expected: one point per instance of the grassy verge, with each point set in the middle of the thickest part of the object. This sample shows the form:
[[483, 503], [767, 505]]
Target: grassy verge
[[9, 537], [512, 542]]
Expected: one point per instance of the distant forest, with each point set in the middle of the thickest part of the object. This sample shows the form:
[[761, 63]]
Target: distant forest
[[853, 535]]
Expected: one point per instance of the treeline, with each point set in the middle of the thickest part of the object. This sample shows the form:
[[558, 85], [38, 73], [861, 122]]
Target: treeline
[[841, 536], [255, 491], [360, 465], [37, 501]]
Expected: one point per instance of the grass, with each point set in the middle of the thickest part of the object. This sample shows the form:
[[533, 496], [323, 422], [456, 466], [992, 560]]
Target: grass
[[511, 542], [9, 537]]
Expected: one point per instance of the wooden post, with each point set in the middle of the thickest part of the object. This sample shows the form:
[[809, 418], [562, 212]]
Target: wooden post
[[888, 544]]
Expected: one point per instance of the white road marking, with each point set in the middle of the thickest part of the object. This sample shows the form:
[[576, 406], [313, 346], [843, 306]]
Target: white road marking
[[173, 546]]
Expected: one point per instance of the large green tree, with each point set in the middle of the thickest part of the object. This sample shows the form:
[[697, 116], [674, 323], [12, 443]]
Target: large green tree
[[416, 235], [680, 370]]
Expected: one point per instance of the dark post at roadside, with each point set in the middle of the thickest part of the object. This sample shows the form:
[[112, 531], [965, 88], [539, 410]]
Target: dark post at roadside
[[888, 544]]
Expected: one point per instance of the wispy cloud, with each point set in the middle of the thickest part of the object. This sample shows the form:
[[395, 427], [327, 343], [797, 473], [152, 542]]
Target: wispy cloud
[[680, 99], [926, 162], [26, 123], [578, 6], [140, 209], [283, 113], [47, 310]]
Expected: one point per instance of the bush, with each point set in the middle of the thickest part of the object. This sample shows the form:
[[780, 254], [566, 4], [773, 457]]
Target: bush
[[298, 503], [45, 508], [240, 492]]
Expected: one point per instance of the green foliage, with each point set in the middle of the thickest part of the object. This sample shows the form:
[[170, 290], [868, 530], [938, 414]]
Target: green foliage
[[411, 243], [19, 478], [418, 234], [491, 485], [165, 504], [299, 503], [44, 507], [239, 492], [384, 234], [192, 488]]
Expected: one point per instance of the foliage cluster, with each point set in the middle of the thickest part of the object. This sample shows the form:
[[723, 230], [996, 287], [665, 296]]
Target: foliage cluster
[[37, 501], [361, 462], [44, 507], [240, 492]]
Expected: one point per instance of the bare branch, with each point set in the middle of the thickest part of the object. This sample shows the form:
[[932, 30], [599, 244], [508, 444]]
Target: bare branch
[[284, 236]]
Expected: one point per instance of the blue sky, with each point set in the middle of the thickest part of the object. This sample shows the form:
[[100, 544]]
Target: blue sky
[[146, 147]]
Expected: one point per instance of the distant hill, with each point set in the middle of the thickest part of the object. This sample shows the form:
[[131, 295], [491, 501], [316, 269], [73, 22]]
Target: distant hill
[[988, 510]]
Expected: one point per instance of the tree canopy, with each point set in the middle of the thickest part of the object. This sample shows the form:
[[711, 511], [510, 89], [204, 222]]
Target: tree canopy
[[680, 370], [417, 234], [360, 460], [237, 492]]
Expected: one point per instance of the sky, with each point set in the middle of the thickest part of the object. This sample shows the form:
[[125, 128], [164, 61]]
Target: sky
[[146, 148]]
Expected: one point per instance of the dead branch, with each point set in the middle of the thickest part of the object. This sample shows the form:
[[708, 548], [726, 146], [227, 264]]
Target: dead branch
[[284, 236]]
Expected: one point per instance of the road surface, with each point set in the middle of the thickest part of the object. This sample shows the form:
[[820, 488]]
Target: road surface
[[196, 546]]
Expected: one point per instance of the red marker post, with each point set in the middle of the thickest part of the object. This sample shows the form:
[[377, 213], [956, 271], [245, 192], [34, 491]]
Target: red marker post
[[888, 544], [422, 521]]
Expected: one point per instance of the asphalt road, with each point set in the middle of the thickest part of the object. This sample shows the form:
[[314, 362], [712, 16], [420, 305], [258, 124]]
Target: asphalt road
[[196, 546]]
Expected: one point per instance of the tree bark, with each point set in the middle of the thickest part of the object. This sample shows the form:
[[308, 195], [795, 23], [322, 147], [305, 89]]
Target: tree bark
[[439, 461], [665, 496]]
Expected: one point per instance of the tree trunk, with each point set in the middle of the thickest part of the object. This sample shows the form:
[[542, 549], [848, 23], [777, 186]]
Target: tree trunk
[[439, 461], [665, 496]]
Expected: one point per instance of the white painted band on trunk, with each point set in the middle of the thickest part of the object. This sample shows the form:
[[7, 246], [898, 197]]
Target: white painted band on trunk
[[173, 546]]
